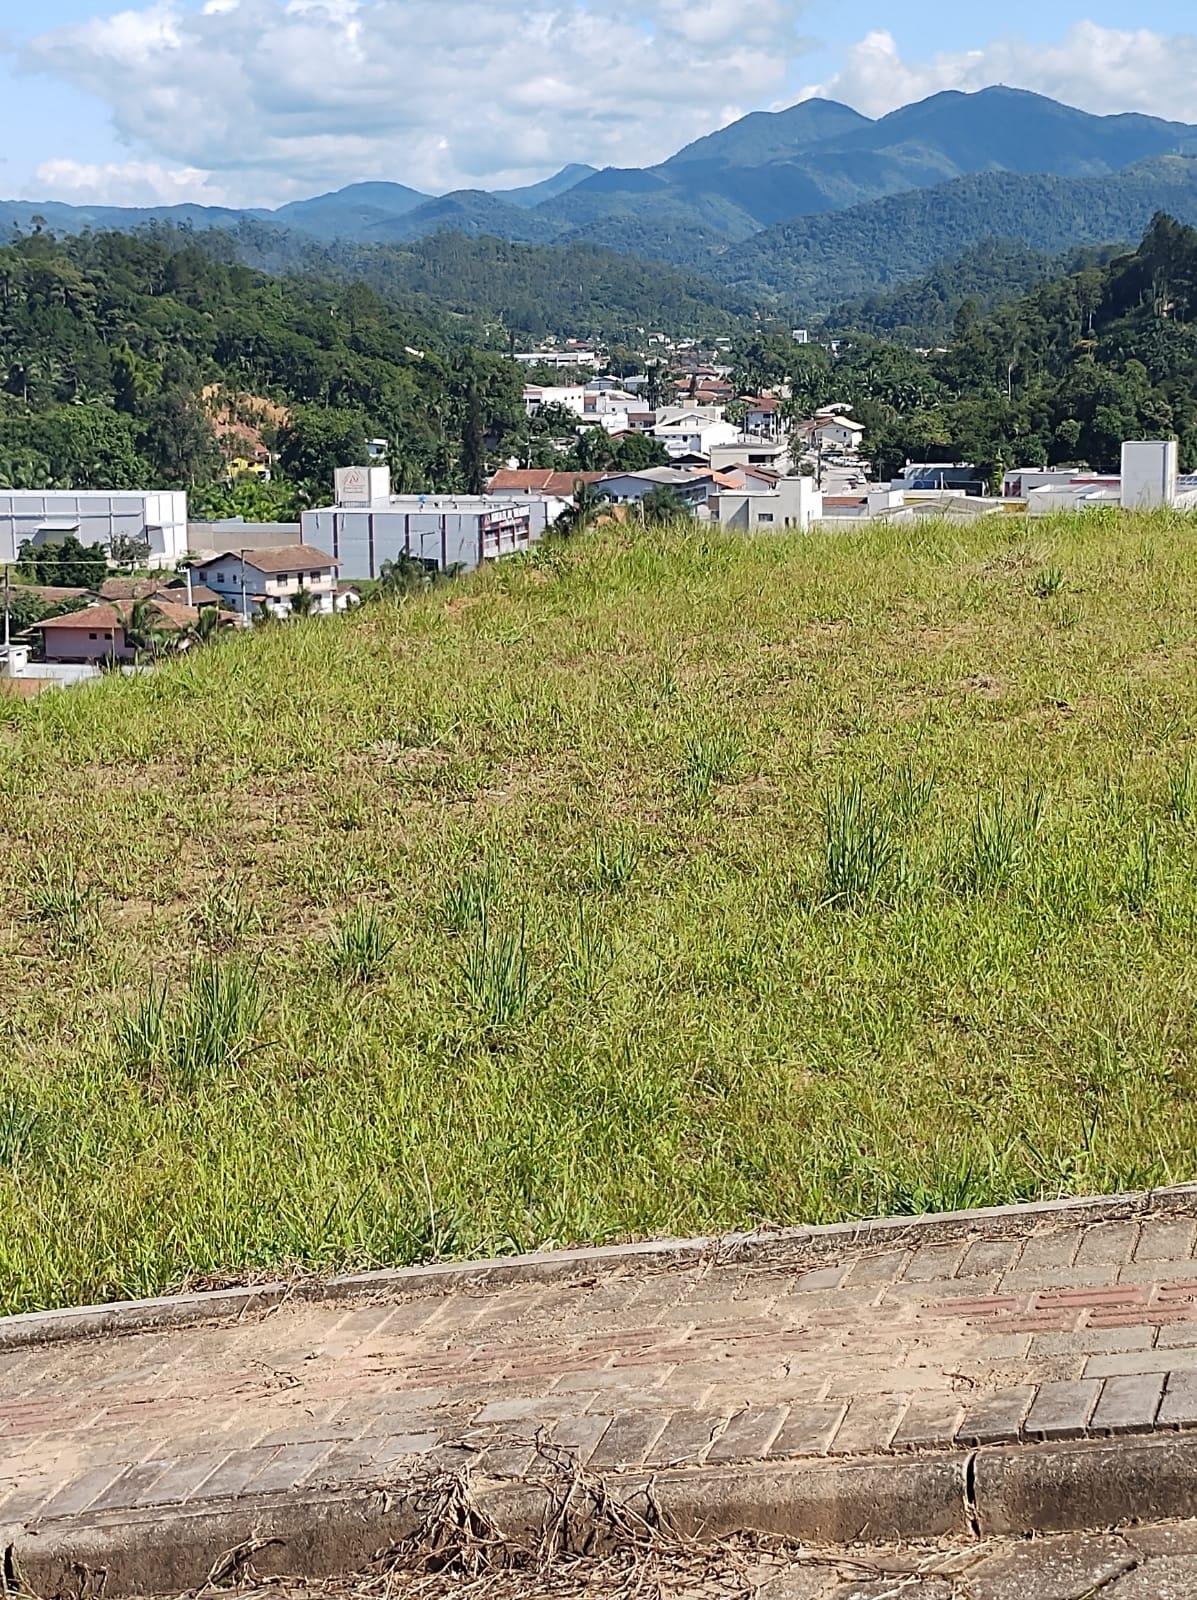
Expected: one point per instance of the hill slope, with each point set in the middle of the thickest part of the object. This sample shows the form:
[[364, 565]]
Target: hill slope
[[632, 982], [815, 263]]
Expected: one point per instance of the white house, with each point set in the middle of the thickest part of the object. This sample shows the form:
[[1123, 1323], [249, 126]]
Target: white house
[[750, 450], [830, 431], [570, 397], [786, 503], [154, 519], [692, 434], [629, 487], [269, 580]]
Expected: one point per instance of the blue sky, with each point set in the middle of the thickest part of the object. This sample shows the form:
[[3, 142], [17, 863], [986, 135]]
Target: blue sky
[[256, 101]]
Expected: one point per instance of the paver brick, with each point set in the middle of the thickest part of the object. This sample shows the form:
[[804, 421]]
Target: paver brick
[[928, 1423], [819, 1279], [1166, 1239], [1057, 1248], [627, 1441], [1127, 1405], [76, 1495], [933, 1261], [869, 1425], [989, 1255], [885, 1267], [1127, 1363], [748, 1435], [292, 1465], [996, 1418], [579, 1435], [1111, 1243], [127, 1490], [233, 1475], [1061, 1410], [685, 1439], [1178, 1408], [809, 1429], [180, 1479]]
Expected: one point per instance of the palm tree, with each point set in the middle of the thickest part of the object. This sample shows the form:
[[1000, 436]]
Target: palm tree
[[207, 626], [143, 628], [581, 516], [303, 604]]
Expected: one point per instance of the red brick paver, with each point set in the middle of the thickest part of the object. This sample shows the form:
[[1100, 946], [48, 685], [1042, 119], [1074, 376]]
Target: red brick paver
[[980, 1341]]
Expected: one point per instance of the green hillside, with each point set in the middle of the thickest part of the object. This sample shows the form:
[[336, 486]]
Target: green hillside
[[815, 263], [706, 881]]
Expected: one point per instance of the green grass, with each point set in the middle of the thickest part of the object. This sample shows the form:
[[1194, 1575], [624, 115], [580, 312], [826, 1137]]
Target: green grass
[[656, 884]]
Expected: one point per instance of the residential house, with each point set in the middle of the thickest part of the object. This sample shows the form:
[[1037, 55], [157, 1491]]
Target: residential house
[[269, 580], [765, 416], [689, 485], [749, 450], [98, 632], [831, 431], [785, 503], [556, 489], [693, 432], [570, 397]]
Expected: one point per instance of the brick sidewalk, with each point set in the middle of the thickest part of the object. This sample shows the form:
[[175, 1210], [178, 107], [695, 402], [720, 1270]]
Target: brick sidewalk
[[1074, 1331]]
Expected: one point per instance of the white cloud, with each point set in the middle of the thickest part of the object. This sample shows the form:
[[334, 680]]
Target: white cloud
[[126, 183], [1098, 69], [275, 97]]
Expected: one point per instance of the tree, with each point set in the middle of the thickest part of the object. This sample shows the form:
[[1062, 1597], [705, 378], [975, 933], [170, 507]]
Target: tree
[[663, 504], [581, 516], [404, 575], [315, 441], [208, 626], [66, 564], [145, 633], [302, 604]]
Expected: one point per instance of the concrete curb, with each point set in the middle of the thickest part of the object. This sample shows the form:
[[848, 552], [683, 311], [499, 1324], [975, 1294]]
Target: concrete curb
[[782, 1247], [1013, 1491]]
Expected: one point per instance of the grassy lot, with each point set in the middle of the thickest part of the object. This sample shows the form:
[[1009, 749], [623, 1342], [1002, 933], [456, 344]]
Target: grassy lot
[[662, 883]]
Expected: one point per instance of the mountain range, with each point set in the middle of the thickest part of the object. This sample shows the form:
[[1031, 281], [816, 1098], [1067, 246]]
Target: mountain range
[[807, 206]]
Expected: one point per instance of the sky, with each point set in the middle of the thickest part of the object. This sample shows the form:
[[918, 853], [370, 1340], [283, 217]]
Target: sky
[[256, 102]]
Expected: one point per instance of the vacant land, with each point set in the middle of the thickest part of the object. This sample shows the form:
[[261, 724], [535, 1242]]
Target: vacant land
[[661, 883]]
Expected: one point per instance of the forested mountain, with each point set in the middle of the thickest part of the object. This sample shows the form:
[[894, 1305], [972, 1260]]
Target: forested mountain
[[112, 347], [575, 290], [1064, 374], [765, 169], [923, 313], [815, 263]]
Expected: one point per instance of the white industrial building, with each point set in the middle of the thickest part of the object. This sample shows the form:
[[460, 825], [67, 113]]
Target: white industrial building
[[368, 525], [157, 518]]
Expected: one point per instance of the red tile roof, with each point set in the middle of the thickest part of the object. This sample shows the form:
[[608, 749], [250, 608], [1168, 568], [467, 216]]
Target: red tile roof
[[539, 480], [277, 558]]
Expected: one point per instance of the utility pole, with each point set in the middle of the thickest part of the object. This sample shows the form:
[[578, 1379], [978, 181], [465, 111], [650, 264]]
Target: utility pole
[[7, 625], [244, 602]]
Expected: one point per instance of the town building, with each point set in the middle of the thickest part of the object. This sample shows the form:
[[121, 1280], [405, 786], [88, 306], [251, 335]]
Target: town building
[[570, 397], [154, 521], [750, 450], [563, 360], [98, 632], [784, 503], [556, 489], [689, 485], [831, 431], [269, 580], [693, 432], [368, 526], [765, 416]]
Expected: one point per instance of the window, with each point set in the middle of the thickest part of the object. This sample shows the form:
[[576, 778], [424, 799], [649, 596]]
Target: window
[[93, 636], [765, 516], [282, 577], [220, 577]]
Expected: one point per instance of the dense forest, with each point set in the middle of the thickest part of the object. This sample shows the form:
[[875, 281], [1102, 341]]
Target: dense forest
[[814, 263], [113, 345], [1062, 375], [923, 312], [573, 291]]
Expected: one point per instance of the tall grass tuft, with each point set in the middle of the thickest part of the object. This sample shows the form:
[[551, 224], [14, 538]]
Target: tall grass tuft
[[496, 974], [1181, 797], [1141, 872], [22, 1132], [707, 760], [1048, 583], [613, 864], [468, 900], [62, 904], [212, 1030], [858, 848], [360, 945], [997, 842]]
